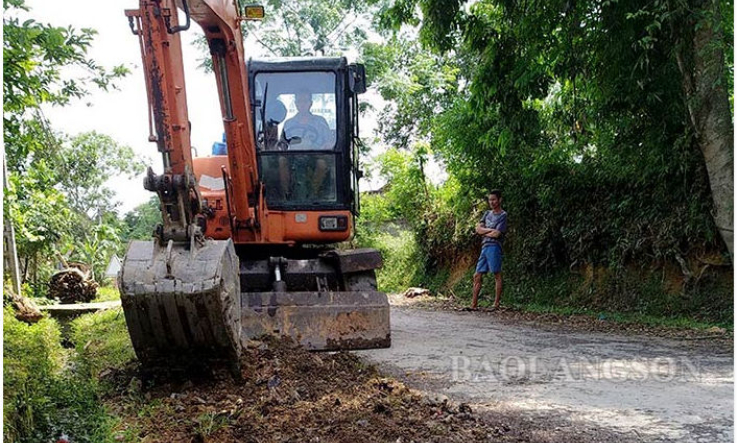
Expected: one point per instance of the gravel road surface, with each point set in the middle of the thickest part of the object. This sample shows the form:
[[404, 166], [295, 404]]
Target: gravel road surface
[[640, 388]]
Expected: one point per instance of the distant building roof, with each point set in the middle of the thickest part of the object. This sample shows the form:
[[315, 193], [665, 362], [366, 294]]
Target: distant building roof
[[379, 191], [113, 267]]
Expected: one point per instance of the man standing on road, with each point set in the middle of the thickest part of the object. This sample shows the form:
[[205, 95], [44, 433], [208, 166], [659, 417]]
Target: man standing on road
[[492, 228]]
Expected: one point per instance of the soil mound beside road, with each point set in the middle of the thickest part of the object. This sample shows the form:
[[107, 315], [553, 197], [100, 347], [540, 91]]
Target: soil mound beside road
[[290, 394]]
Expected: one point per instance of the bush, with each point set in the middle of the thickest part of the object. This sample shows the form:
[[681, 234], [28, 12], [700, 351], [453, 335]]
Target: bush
[[42, 400], [403, 265], [32, 355]]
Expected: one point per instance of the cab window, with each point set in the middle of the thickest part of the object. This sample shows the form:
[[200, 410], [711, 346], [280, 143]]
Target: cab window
[[295, 123], [295, 111]]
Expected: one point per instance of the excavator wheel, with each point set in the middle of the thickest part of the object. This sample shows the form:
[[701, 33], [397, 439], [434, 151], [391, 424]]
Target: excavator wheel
[[182, 304]]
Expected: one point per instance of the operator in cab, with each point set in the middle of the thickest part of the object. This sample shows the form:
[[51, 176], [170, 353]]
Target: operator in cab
[[311, 130], [306, 131]]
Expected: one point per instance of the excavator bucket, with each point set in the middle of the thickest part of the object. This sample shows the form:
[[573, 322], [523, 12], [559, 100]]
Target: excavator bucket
[[326, 303], [182, 303]]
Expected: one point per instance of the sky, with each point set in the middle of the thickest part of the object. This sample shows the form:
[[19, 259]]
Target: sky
[[122, 113]]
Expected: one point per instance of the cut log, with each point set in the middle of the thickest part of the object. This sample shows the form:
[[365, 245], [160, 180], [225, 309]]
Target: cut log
[[26, 309], [72, 285]]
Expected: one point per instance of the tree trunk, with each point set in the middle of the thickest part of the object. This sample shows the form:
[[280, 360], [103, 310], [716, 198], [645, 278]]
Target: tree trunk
[[702, 64], [10, 252], [35, 271]]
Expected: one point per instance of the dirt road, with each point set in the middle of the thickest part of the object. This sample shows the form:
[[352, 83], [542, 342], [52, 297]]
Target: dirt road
[[639, 388]]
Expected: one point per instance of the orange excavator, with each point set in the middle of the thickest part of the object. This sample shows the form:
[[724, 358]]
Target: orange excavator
[[247, 241]]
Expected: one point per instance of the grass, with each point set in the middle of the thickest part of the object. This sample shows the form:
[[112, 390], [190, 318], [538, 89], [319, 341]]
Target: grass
[[43, 397], [32, 354], [559, 294], [107, 293], [209, 423], [49, 390], [403, 266], [101, 340]]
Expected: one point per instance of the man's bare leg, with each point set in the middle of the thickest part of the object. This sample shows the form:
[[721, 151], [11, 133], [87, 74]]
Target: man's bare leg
[[477, 288], [498, 288]]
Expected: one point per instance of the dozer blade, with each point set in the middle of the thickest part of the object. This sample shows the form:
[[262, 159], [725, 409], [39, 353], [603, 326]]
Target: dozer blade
[[328, 320], [182, 306]]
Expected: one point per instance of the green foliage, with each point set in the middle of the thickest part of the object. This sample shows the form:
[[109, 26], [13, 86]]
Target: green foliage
[[96, 248], [107, 293], [141, 221], [415, 82], [641, 297], [210, 423], [577, 112], [49, 391], [304, 28], [407, 191], [56, 200], [40, 216], [102, 342], [403, 265], [41, 400], [60, 203], [29, 350], [409, 222], [294, 28], [34, 57], [84, 164]]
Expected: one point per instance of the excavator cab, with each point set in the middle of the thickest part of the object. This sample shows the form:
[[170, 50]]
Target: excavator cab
[[306, 127]]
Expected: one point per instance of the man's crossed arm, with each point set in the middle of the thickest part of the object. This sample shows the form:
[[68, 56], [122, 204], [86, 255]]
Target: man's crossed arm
[[487, 232]]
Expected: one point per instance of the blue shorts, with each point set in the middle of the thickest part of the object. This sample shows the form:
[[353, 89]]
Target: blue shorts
[[490, 260]]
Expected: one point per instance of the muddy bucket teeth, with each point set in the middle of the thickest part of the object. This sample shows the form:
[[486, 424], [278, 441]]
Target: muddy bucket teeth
[[182, 306], [325, 321]]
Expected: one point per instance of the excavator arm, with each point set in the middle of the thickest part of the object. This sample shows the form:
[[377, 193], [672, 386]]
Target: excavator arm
[[156, 23], [181, 292]]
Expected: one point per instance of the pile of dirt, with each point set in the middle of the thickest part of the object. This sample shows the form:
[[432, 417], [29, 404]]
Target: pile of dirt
[[288, 394]]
